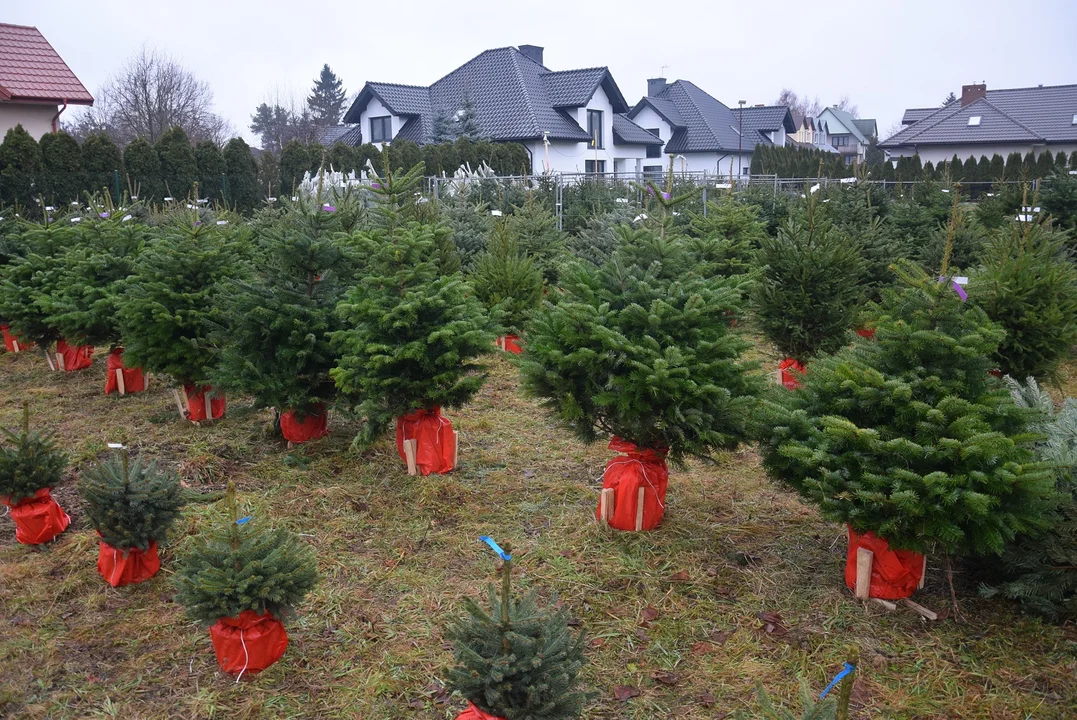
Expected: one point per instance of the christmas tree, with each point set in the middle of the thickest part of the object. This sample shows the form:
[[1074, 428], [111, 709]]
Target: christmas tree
[[517, 661], [470, 224], [535, 229], [31, 279], [808, 294], [410, 332], [1059, 199], [244, 565], [728, 236], [327, 98], [507, 281], [466, 122], [29, 461], [596, 241], [130, 503]]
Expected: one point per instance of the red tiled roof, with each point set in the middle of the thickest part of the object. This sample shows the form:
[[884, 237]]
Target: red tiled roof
[[30, 69]]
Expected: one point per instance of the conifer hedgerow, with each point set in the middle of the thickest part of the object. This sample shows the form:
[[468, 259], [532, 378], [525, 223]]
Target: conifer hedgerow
[[20, 169], [179, 168], [64, 177], [143, 171]]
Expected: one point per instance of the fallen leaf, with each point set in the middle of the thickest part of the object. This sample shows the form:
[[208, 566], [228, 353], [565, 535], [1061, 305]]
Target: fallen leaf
[[706, 699], [720, 636], [680, 577], [665, 678], [625, 692], [529, 473], [597, 642], [773, 624], [416, 704], [642, 635], [650, 614], [703, 648]]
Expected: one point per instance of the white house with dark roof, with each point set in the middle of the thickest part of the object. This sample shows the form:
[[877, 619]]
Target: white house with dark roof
[[703, 134], [849, 136], [570, 121], [986, 122]]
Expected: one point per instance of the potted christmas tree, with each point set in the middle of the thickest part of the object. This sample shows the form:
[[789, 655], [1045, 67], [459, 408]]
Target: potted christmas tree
[[30, 466], [909, 441], [640, 348], [131, 505], [411, 332], [168, 307], [241, 579], [509, 285], [517, 660]]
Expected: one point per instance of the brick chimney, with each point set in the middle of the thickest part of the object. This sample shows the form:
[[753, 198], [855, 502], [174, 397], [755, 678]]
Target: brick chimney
[[532, 52], [972, 93], [655, 86]]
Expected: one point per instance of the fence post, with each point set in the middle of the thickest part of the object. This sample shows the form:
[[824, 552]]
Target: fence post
[[559, 202], [116, 184], [704, 195], [437, 188], [224, 188]]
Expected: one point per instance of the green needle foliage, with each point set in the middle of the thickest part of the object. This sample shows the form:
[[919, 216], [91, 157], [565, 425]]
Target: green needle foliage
[[814, 708], [31, 279], [130, 503], [471, 226], [596, 241], [535, 229], [518, 661], [229, 569], [410, 331], [29, 461], [507, 281], [728, 236], [908, 436]]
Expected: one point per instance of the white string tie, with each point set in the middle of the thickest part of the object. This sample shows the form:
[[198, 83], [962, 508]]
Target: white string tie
[[246, 657]]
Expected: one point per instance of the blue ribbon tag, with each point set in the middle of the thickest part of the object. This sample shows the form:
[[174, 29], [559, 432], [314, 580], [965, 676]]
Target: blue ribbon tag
[[837, 678], [245, 520], [495, 547]]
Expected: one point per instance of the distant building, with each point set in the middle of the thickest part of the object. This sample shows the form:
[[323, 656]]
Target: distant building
[[36, 85], [811, 133], [986, 122], [848, 135]]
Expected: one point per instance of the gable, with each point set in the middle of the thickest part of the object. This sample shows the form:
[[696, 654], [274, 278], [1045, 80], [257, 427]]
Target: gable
[[31, 70]]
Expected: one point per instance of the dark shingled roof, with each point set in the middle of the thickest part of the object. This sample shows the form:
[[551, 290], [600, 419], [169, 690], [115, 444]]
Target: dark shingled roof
[[1018, 115], [916, 114], [626, 132], [347, 134], [515, 98], [31, 70], [867, 127], [767, 118]]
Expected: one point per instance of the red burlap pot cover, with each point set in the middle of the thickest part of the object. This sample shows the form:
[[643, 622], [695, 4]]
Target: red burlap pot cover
[[313, 425], [895, 574], [435, 442], [626, 474], [10, 339], [473, 713], [790, 369], [510, 343], [196, 403], [133, 380], [125, 568], [868, 333], [249, 643], [38, 519], [76, 357]]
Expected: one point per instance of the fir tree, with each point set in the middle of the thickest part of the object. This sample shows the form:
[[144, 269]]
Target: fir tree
[[965, 237], [517, 661], [729, 235], [64, 176], [29, 461], [466, 121], [506, 281], [241, 169], [1059, 199], [808, 292], [535, 229], [29, 281], [143, 171], [471, 225], [269, 174], [443, 129], [131, 504], [179, 169], [327, 98], [814, 707], [294, 164], [411, 333], [596, 242], [20, 169], [102, 160], [210, 166], [244, 566]]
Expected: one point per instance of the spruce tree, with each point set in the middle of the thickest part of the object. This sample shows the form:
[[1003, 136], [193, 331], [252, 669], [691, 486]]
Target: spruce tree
[[466, 123], [64, 176], [597, 241], [808, 293], [103, 160], [29, 282], [507, 282], [729, 235], [1059, 199], [471, 225], [327, 98], [20, 170], [209, 164], [143, 171], [241, 171], [243, 565], [443, 129], [29, 461], [130, 503], [179, 168], [294, 164], [517, 661], [410, 332], [535, 229]]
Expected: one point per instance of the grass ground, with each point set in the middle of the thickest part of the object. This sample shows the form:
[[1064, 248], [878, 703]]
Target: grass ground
[[672, 613]]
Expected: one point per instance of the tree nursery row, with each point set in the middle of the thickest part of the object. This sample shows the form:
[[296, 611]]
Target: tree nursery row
[[914, 330]]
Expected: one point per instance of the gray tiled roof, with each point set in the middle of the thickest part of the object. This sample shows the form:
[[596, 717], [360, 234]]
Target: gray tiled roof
[[867, 127], [848, 122], [1018, 115], [572, 88], [916, 114], [626, 132], [347, 134], [766, 119]]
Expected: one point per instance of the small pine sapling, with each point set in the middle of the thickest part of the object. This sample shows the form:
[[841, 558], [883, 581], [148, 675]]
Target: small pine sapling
[[29, 462], [535, 229], [728, 236], [507, 281]]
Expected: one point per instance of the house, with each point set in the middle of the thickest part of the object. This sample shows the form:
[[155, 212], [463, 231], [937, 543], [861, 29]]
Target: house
[[570, 120], [811, 133], [332, 134], [703, 134], [848, 135], [986, 122], [36, 85]]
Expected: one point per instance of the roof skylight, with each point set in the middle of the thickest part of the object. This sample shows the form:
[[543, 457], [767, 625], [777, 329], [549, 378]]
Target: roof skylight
[[974, 120]]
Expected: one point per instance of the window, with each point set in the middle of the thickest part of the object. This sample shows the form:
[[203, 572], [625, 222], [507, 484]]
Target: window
[[840, 140], [1074, 119], [974, 120], [595, 166], [746, 170], [594, 128], [652, 172], [849, 159], [654, 151], [381, 129]]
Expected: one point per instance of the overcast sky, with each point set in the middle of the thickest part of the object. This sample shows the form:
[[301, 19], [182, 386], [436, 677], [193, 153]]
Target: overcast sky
[[886, 56]]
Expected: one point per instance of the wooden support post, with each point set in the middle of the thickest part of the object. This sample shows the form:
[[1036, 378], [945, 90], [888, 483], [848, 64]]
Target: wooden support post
[[885, 604], [179, 403], [48, 359], [639, 509], [605, 505], [120, 384], [15, 346], [455, 448], [864, 559], [410, 448], [60, 361], [920, 609], [146, 380], [923, 575]]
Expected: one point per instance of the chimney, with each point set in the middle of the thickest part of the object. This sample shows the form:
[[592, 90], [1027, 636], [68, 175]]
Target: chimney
[[532, 52], [972, 93], [655, 86]]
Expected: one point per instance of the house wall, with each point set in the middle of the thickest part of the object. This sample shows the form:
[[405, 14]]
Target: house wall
[[35, 119], [936, 153], [375, 109]]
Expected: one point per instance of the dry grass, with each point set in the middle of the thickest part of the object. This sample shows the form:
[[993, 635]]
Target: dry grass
[[397, 553]]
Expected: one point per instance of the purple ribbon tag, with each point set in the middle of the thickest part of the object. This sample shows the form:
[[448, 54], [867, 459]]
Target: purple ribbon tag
[[665, 196], [960, 291]]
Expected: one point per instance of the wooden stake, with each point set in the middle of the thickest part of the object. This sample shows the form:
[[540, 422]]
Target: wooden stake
[[639, 509], [455, 448], [920, 609], [15, 346], [60, 361], [864, 559], [146, 380], [605, 505], [923, 575], [179, 403], [48, 359], [120, 384], [410, 449], [885, 603]]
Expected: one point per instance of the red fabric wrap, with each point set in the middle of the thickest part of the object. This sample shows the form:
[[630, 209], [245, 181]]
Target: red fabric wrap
[[435, 445], [510, 343], [196, 403], [249, 643], [895, 574], [38, 519], [76, 357], [868, 333], [314, 424], [9, 340], [473, 713], [133, 381], [790, 369], [626, 474], [124, 568]]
